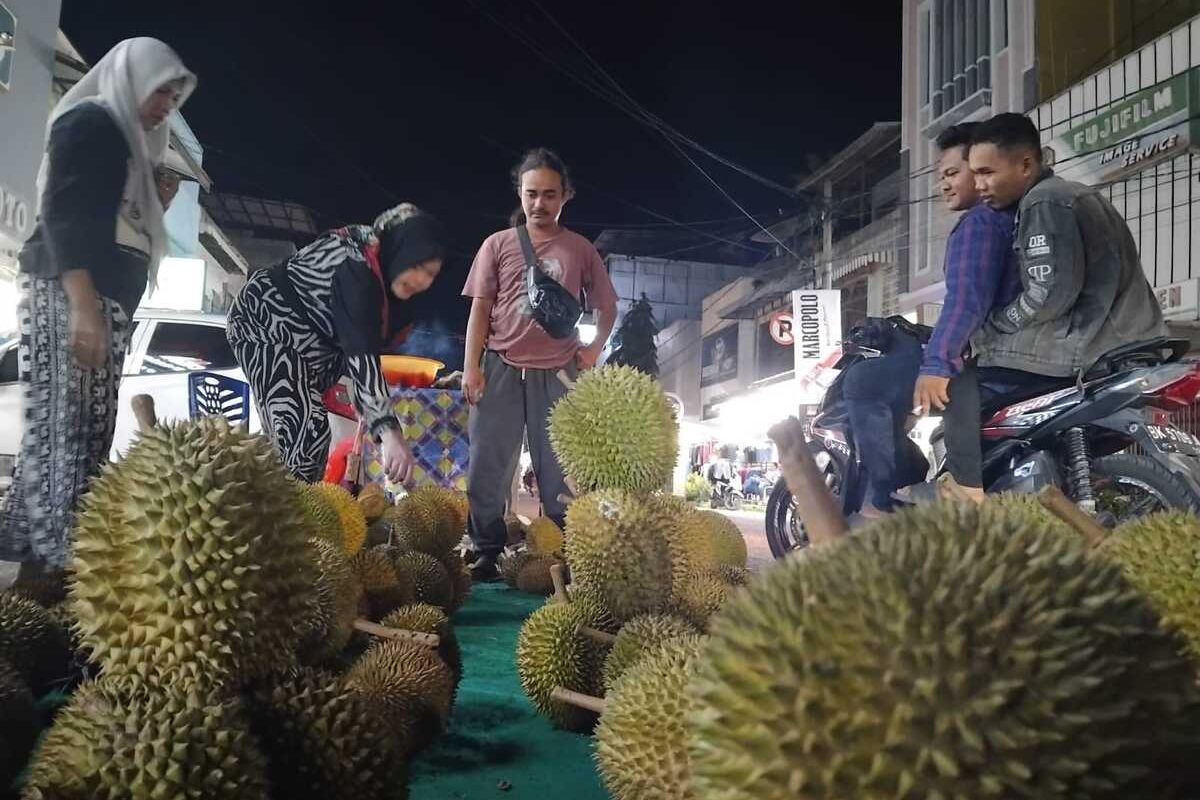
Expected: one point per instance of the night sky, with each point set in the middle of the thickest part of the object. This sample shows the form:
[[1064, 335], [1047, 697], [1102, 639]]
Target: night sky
[[349, 107]]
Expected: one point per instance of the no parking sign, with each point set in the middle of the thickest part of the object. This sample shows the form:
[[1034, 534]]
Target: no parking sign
[[781, 328]]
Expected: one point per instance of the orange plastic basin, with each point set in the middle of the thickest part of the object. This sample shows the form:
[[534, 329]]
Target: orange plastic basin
[[411, 372]]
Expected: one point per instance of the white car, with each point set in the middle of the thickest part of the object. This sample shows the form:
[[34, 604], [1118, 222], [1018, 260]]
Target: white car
[[165, 347]]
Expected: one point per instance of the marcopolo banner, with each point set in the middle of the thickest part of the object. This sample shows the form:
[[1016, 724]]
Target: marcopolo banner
[[1135, 132], [817, 336]]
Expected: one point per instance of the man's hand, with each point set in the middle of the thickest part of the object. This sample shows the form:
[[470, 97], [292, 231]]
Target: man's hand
[[89, 335], [932, 392], [397, 461], [586, 357], [473, 385]]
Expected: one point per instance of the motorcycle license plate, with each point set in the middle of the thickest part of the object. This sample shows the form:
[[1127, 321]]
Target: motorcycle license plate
[[1173, 440]]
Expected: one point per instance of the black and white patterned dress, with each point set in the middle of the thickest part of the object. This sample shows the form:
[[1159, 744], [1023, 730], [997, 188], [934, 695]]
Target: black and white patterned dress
[[291, 356], [70, 412]]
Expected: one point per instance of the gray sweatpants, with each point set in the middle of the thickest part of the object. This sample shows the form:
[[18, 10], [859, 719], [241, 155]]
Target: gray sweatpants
[[516, 403]]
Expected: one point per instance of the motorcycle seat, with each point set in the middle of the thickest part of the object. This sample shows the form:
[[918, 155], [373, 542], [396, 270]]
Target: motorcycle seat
[[1022, 393]]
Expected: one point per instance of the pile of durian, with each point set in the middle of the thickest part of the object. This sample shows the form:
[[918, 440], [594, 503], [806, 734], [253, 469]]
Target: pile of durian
[[222, 607], [948, 651]]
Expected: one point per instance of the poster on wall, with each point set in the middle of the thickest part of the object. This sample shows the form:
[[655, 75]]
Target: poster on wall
[[817, 332], [775, 340], [1130, 135], [719, 356]]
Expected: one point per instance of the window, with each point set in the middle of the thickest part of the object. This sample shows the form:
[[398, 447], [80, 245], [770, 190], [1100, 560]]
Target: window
[[959, 50], [925, 54], [185, 347], [9, 371]]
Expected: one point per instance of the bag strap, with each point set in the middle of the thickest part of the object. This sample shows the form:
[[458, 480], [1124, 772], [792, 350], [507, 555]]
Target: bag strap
[[527, 247]]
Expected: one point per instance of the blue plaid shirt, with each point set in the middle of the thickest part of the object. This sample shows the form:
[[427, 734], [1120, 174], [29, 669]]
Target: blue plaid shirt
[[981, 274]]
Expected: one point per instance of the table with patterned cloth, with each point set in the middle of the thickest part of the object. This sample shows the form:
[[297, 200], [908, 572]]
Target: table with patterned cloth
[[435, 424]]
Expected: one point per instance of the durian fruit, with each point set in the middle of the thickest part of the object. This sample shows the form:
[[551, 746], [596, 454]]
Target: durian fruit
[[617, 546], [372, 501], [33, 643], [382, 530], [350, 516], [44, 587], [728, 544], [544, 537], [323, 740], [950, 650], [692, 542], [321, 514], [409, 686], [452, 506], [511, 563], [701, 596], [1160, 555], [190, 560], [534, 577], [19, 726], [638, 636], [114, 740], [616, 430], [424, 618], [733, 576], [516, 530], [461, 581], [641, 741], [551, 653], [336, 598], [385, 589], [426, 523], [430, 580]]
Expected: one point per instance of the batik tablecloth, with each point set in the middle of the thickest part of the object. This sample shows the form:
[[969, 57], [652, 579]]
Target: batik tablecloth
[[435, 423]]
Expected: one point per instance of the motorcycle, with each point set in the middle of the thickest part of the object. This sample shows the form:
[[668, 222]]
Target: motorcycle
[[724, 495], [1074, 433]]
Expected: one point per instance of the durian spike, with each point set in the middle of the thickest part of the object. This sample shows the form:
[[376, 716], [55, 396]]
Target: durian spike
[[1061, 506], [383, 632], [814, 503], [143, 412], [585, 701], [598, 636], [560, 584]]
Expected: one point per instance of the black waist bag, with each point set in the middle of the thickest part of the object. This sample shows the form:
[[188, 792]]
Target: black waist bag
[[554, 308]]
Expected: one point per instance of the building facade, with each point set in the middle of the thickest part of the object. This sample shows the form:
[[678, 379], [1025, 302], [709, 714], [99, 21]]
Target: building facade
[[28, 35], [963, 60]]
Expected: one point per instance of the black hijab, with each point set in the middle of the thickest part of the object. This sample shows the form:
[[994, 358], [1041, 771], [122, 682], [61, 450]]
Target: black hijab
[[408, 243]]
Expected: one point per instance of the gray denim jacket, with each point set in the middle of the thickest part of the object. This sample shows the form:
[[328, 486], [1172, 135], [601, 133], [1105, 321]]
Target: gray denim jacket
[[1084, 292]]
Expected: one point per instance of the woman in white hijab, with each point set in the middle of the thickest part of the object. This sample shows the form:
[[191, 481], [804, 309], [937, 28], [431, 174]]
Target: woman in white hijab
[[97, 243]]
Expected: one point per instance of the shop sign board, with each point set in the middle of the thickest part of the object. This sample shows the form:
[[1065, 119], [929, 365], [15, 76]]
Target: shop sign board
[[817, 328], [1180, 301], [1133, 133]]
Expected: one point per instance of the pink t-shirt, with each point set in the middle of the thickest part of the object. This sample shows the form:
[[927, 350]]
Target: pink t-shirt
[[499, 274]]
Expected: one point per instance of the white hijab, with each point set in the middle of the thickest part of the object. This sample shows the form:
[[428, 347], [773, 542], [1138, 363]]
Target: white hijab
[[120, 83]]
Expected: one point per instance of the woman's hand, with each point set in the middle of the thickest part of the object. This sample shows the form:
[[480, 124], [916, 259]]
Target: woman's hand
[[473, 384], [397, 458], [89, 335]]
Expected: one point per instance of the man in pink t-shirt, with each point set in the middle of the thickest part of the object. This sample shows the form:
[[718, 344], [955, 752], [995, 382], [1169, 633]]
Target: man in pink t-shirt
[[512, 364]]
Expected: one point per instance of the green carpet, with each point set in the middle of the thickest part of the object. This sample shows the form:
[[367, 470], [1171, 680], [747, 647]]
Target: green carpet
[[494, 734]]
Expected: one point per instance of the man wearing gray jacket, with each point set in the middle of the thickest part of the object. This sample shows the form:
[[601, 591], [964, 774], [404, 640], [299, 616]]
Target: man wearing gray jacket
[[1083, 288]]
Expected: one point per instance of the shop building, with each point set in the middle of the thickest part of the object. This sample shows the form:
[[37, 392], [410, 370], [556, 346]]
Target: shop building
[[963, 61], [28, 38]]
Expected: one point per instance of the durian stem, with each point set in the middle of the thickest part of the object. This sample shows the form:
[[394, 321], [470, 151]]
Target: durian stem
[[815, 505], [1061, 506], [566, 379], [560, 584], [600, 637], [586, 701], [143, 412], [427, 639]]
